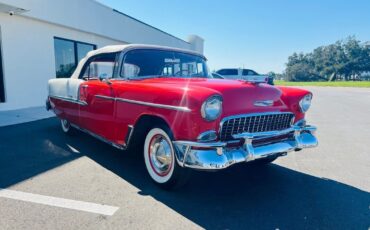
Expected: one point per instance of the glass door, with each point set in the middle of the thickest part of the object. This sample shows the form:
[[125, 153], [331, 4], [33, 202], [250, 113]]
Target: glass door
[[2, 85]]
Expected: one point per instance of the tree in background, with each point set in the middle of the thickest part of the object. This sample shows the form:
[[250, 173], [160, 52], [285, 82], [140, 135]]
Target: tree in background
[[346, 59], [300, 67], [275, 76]]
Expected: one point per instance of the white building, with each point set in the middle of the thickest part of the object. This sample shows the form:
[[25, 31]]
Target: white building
[[42, 39]]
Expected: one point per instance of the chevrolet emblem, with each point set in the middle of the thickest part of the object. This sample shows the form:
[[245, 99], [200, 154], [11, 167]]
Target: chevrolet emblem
[[264, 103]]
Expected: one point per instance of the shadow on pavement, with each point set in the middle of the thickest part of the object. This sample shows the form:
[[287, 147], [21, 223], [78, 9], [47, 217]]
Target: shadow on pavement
[[251, 197], [31, 148]]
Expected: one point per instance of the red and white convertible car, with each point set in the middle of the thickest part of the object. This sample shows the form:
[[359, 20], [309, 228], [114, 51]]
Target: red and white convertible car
[[163, 102]]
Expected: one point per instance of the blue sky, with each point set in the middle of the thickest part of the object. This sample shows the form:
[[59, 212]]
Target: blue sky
[[256, 34]]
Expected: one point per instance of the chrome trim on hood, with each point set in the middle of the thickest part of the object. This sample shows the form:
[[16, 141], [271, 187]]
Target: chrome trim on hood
[[264, 103]]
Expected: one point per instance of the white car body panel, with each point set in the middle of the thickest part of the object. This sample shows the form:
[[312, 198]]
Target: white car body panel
[[250, 78], [67, 88]]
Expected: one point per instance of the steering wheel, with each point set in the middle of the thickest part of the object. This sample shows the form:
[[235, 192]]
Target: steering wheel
[[179, 73]]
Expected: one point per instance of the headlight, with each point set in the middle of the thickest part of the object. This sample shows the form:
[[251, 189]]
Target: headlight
[[212, 108], [305, 103]]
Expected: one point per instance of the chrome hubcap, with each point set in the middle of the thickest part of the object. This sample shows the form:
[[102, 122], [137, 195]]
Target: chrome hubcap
[[160, 155]]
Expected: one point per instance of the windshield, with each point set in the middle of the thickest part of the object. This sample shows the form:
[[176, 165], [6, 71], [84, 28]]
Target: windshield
[[161, 63]]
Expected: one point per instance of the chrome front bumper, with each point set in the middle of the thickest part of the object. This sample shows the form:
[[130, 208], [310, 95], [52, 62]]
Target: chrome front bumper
[[217, 155]]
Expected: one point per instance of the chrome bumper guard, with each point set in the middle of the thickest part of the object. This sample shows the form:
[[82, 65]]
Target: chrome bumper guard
[[217, 155]]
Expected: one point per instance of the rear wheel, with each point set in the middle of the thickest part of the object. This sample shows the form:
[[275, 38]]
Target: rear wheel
[[66, 126], [160, 159]]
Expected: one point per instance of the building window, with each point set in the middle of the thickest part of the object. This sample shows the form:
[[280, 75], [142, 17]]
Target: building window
[[2, 85], [67, 55]]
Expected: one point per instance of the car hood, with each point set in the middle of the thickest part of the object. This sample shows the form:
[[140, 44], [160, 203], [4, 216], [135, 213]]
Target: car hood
[[238, 96]]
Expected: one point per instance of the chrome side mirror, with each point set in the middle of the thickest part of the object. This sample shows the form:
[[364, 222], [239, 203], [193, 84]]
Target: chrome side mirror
[[104, 78]]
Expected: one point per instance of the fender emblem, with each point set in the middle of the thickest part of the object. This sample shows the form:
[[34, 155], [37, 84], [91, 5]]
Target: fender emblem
[[264, 103]]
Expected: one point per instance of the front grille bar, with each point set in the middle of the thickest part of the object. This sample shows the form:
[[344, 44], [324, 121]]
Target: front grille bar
[[252, 123]]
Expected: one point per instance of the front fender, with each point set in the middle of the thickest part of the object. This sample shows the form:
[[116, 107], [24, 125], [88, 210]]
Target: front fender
[[291, 97]]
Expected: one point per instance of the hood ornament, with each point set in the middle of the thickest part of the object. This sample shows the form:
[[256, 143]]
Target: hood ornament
[[264, 103]]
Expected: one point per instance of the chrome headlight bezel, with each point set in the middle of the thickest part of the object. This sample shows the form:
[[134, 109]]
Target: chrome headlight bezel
[[305, 103], [208, 113]]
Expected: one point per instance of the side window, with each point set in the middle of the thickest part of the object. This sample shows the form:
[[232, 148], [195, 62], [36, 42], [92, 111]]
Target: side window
[[221, 71], [248, 72], [101, 66], [251, 72], [228, 72], [232, 72]]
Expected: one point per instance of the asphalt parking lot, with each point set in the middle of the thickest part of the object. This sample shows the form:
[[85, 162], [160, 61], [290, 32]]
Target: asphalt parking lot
[[323, 188]]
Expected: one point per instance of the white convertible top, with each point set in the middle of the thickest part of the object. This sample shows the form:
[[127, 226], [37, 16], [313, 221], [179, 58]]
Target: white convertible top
[[124, 48]]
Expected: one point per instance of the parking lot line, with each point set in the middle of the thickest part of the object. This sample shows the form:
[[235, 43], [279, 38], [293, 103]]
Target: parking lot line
[[59, 202]]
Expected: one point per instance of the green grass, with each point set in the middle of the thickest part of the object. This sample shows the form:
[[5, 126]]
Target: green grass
[[362, 84]]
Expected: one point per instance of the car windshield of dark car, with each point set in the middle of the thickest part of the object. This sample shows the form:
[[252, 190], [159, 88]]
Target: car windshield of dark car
[[161, 63]]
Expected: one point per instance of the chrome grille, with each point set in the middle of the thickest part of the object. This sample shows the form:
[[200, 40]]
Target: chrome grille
[[254, 123]]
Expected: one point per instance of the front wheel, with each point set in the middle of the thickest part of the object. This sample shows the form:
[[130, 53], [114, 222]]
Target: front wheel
[[160, 159]]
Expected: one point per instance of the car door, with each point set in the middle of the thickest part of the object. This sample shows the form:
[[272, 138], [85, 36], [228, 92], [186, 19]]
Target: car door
[[98, 115]]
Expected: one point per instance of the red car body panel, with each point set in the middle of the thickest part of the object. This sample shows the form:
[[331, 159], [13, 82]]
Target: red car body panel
[[111, 118]]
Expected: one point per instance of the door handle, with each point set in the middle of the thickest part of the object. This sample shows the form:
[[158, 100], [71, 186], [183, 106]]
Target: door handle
[[85, 86]]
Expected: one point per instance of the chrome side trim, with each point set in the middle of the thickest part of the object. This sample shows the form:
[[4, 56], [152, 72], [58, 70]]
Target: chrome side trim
[[70, 100], [105, 97], [129, 135], [178, 108], [171, 107], [121, 147]]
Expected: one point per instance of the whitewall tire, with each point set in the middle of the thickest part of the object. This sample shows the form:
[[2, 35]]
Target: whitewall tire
[[160, 159], [66, 126]]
